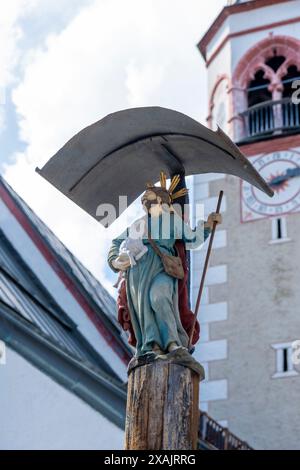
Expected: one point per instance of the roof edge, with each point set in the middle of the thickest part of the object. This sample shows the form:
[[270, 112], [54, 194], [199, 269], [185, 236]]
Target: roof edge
[[225, 13]]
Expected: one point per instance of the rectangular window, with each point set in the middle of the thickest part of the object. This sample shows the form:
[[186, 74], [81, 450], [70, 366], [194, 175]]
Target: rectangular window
[[279, 230], [284, 365], [285, 359]]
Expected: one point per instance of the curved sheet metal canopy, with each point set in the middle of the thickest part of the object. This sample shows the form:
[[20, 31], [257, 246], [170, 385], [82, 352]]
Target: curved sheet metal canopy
[[120, 153]]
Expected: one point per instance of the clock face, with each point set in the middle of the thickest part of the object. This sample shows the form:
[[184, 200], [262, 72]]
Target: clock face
[[281, 170]]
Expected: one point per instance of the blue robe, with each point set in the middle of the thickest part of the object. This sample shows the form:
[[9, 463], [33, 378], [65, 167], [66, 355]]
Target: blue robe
[[152, 294]]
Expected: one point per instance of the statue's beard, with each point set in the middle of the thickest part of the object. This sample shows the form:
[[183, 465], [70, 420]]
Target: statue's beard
[[157, 208]]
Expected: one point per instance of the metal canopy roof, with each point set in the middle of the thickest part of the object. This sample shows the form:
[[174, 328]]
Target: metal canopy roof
[[119, 154]]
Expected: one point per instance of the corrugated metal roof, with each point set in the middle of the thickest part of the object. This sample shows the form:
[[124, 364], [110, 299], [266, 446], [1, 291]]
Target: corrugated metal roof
[[85, 278], [102, 304], [22, 291], [20, 272]]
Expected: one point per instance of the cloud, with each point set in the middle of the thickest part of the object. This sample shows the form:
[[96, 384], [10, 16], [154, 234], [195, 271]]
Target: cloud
[[111, 55], [10, 37]]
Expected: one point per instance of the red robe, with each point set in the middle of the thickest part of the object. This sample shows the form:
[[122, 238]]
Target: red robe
[[186, 315]]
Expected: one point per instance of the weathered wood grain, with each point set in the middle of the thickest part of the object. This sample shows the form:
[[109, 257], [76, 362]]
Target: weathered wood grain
[[162, 407]]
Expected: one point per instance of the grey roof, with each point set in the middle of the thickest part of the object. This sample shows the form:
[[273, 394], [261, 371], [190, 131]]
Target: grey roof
[[25, 295], [98, 297], [86, 279]]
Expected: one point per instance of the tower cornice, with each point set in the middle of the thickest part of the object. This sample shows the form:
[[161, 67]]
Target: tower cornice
[[225, 13]]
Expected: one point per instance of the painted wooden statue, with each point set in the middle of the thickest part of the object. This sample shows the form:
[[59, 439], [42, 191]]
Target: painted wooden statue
[[150, 304]]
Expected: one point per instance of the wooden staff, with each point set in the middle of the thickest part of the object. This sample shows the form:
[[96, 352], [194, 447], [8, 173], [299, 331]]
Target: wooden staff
[[205, 269]]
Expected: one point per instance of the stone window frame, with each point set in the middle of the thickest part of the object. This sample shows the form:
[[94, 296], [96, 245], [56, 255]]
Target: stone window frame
[[279, 349], [274, 230]]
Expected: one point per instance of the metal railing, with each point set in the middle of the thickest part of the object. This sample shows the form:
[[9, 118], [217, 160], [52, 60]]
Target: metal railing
[[217, 436], [271, 117]]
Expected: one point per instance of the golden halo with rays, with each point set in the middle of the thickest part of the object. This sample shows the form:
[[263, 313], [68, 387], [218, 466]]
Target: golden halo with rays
[[174, 182]]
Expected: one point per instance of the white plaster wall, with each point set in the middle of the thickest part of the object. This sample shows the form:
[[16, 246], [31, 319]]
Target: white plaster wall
[[218, 38], [32, 256], [213, 390], [219, 66], [208, 350], [37, 413], [264, 15], [211, 350]]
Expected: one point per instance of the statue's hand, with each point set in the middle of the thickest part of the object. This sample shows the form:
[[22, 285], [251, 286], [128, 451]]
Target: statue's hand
[[213, 217], [122, 262]]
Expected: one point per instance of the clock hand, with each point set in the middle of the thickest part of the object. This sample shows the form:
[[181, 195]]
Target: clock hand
[[290, 173], [278, 180]]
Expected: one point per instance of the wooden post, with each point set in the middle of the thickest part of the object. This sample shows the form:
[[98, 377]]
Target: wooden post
[[162, 407]]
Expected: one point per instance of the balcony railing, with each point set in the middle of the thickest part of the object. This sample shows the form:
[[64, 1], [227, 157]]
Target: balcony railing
[[217, 437], [271, 118]]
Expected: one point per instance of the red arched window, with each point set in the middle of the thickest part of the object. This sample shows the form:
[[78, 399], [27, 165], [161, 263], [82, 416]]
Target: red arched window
[[262, 89]]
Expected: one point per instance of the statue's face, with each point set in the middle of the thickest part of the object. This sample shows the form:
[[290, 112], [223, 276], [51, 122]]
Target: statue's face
[[154, 204], [149, 199], [150, 195]]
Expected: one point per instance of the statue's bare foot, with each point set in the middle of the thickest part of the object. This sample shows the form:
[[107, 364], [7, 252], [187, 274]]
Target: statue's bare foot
[[173, 346], [157, 349]]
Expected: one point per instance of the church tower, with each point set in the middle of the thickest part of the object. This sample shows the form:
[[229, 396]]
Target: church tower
[[250, 315]]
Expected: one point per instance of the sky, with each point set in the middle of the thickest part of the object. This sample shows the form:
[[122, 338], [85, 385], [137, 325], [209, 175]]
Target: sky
[[68, 63]]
